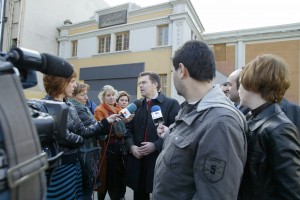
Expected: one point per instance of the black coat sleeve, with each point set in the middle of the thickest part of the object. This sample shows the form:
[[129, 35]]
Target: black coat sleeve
[[76, 125]]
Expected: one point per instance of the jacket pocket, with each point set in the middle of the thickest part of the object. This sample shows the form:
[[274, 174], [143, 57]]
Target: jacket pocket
[[177, 154]]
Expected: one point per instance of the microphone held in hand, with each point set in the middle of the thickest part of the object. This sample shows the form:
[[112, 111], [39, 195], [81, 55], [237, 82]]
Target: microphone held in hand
[[126, 112], [157, 115]]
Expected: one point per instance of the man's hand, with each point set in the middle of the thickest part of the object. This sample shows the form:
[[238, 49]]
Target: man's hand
[[135, 152], [162, 131], [147, 148]]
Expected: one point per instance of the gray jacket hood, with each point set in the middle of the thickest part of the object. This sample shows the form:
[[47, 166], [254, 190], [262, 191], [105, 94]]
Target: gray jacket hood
[[214, 98]]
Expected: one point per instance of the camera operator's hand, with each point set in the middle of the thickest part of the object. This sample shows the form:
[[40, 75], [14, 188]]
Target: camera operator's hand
[[113, 118]]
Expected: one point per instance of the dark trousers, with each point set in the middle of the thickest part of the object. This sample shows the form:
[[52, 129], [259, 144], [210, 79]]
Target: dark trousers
[[115, 174], [141, 193]]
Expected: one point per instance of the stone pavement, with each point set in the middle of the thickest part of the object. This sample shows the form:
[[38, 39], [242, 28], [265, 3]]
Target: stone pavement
[[128, 195]]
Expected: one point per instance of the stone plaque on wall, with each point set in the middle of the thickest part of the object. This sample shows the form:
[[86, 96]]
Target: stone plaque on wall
[[112, 19]]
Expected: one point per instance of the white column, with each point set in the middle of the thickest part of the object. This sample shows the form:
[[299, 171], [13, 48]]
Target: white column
[[112, 42], [240, 55]]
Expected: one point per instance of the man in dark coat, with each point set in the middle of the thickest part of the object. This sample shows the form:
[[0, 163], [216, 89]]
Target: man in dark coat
[[292, 111], [142, 141]]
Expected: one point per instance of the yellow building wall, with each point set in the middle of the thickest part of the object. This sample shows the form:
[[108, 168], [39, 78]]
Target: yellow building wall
[[157, 60], [288, 50], [83, 30], [225, 59], [30, 94]]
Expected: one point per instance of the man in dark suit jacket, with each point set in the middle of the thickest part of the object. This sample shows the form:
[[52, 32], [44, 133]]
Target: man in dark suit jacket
[[143, 141]]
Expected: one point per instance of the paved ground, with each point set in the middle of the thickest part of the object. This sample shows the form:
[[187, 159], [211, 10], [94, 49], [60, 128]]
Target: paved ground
[[128, 195]]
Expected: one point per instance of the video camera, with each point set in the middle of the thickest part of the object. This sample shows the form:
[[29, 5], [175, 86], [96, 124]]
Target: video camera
[[28, 129]]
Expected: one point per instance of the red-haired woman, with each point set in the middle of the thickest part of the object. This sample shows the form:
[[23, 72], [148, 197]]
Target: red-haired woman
[[66, 179], [273, 163]]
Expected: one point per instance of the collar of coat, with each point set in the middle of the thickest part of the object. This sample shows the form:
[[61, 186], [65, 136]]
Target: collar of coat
[[264, 116], [213, 98], [160, 98]]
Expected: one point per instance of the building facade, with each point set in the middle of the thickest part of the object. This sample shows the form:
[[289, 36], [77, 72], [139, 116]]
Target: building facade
[[234, 49], [32, 24], [122, 41]]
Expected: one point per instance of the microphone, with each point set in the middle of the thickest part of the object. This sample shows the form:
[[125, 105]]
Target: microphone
[[45, 63], [126, 112], [157, 115]]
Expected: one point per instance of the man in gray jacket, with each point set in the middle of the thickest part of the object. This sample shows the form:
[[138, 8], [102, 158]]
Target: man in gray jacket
[[204, 152]]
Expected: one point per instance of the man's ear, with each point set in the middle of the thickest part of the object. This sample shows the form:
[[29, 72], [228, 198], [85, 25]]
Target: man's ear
[[155, 84], [183, 72]]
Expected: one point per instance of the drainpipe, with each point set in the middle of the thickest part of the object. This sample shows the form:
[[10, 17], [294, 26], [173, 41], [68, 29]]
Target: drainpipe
[[2, 20]]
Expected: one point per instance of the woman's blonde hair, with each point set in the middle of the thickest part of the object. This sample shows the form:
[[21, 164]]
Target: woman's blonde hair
[[104, 90]]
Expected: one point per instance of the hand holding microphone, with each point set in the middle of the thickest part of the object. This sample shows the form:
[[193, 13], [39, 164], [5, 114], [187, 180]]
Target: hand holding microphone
[[128, 111], [113, 118], [162, 130], [157, 115]]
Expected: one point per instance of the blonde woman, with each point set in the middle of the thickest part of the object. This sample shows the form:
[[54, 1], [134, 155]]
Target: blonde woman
[[112, 175]]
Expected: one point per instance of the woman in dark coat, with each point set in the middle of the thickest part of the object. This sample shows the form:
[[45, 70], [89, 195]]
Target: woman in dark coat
[[90, 150], [273, 164]]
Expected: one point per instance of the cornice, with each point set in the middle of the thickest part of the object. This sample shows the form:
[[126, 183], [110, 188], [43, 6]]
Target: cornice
[[150, 9], [116, 29], [113, 9], [256, 34]]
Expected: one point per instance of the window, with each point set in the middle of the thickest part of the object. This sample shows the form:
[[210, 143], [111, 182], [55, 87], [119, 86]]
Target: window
[[122, 41], [162, 35], [163, 80], [74, 48], [104, 44]]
